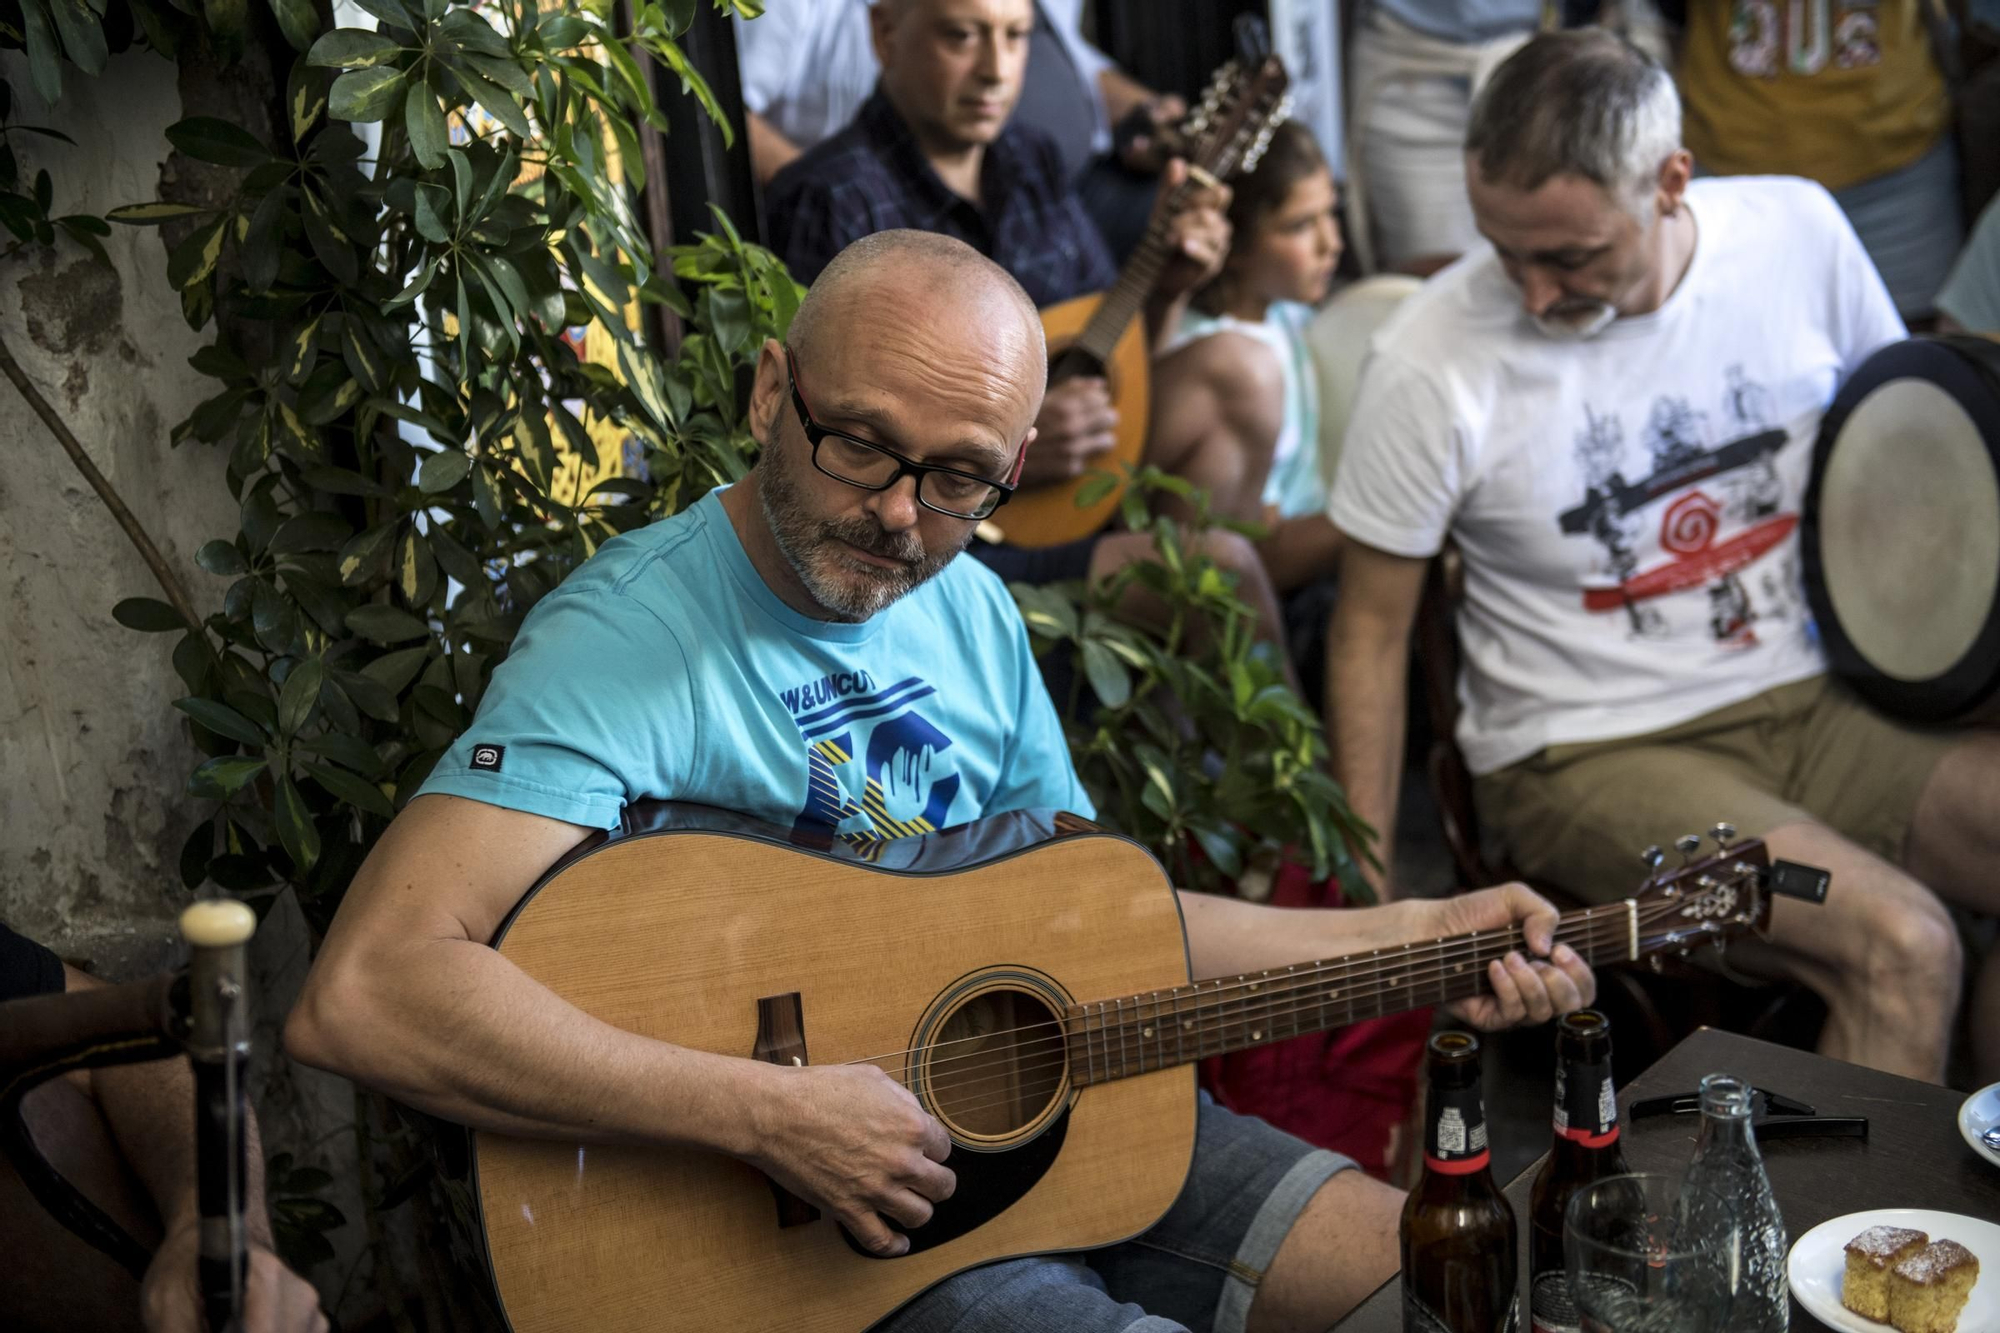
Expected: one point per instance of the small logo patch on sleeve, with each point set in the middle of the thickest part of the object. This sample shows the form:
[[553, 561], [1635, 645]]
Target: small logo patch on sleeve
[[488, 757]]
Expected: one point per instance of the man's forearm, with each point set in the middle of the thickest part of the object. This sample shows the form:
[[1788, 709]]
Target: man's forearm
[[150, 1109], [460, 1032], [1228, 937], [1365, 710]]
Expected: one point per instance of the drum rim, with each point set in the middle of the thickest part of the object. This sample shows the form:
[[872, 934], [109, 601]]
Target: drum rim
[[1969, 370]]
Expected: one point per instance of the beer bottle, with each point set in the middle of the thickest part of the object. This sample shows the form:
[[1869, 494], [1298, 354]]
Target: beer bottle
[[1459, 1242], [1586, 1149]]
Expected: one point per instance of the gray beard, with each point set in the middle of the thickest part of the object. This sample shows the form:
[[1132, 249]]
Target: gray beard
[[849, 588], [1601, 316]]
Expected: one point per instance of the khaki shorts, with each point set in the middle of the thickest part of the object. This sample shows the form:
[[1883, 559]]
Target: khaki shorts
[[1578, 816]]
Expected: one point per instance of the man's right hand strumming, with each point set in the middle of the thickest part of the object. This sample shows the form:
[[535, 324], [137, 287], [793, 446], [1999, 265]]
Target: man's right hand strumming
[[855, 1143]]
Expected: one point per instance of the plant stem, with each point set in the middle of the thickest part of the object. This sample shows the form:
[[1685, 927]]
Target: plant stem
[[150, 553]]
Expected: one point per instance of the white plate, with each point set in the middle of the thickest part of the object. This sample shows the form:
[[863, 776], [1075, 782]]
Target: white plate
[[1980, 1113], [1819, 1263]]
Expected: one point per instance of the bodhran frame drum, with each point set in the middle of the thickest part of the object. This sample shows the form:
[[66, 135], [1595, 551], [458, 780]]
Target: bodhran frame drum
[[1901, 535]]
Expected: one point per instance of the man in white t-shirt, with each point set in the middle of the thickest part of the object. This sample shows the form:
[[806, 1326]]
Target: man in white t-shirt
[[1610, 409]]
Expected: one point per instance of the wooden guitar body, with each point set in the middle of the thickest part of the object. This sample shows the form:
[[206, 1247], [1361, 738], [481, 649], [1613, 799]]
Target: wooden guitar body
[[1049, 515], [677, 931]]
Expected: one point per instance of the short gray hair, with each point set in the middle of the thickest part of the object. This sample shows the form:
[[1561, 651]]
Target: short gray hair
[[1578, 103]]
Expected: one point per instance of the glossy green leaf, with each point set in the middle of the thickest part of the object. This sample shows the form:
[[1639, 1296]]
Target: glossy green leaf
[[220, 557], [299, 699], [496, 101], [220, 776], [386, 624], [352, 48], [82, 34], [151, 215], [44, 54], [194, 258], [147, 615], [223, 720], [393, 671], [427, 211], [208, 139], [298, 20], [442, 471], [357, 792], [365, 94], [423, 121], [295, 830], [1107, 675]]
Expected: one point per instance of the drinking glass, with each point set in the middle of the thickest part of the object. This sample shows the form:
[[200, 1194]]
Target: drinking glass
[[1634, 1268]]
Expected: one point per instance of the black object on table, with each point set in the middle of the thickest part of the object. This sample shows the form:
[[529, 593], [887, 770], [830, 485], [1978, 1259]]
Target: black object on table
[[1913, 1156]]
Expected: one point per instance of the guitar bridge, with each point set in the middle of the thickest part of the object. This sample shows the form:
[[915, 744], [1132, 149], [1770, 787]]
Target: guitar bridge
[[781, 1040]]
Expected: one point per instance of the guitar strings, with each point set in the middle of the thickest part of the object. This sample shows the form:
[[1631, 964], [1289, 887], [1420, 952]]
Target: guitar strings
[[1597, 932], [1401, 955], [1047, 1085], [1351, 965], [1412, 963], [1279, 1003], [1050, 1084]]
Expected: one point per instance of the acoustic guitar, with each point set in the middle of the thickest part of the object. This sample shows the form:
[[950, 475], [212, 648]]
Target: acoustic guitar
[[1101, 334], [1026, 976]]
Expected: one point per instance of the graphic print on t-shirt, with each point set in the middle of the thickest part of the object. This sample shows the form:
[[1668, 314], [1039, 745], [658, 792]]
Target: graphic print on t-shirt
[[1711, 510], [1768, 37], [876, 767]]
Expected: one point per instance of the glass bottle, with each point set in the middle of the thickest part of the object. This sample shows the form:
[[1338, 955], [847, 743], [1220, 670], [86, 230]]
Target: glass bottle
[[1728, 1169], [1459, 1244], [1585, 1150]]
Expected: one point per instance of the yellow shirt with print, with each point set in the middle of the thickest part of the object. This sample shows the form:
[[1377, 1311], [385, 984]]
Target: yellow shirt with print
[[1839, 91]]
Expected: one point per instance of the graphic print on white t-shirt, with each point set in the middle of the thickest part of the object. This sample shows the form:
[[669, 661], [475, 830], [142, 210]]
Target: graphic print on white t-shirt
[[1707, 505], [1627, 506]]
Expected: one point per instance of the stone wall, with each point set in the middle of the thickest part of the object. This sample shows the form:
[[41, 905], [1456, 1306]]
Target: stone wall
[[93, 758]]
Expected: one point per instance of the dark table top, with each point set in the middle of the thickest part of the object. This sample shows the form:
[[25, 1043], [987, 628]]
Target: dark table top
[[1913, 1156]]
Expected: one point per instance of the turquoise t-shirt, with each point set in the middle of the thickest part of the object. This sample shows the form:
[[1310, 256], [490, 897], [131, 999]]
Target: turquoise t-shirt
[[666, 668]]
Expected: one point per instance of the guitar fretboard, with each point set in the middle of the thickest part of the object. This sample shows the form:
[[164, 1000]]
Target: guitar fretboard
[[1136, 1034]]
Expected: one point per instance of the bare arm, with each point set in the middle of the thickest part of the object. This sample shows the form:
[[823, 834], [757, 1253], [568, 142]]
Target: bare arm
[[1122, 93], [1367, 656], [770, 151], [407, 997]]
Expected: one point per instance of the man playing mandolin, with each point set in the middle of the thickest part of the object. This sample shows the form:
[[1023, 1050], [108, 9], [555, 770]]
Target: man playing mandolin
[[697, 660]]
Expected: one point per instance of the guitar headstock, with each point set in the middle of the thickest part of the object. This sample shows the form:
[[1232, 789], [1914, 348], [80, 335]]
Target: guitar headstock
[[1245, 101], [1707, 898]]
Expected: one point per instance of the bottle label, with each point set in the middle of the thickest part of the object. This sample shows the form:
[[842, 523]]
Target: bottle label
[[1550, 1309], [1586, 1104], [1456, 1143]]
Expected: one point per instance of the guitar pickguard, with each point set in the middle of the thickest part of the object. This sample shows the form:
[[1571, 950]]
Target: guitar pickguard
[[988, 1184]]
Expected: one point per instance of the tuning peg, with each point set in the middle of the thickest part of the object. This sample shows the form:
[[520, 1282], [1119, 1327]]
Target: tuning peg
[[1687, 845], [1652, 857], [1724, 834]]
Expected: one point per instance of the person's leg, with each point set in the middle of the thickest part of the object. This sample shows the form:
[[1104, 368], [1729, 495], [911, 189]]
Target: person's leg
[[1410, 142], [1040, 1294], [1269, 1233], [1953, 846], [1218, 409], [1879, 951]]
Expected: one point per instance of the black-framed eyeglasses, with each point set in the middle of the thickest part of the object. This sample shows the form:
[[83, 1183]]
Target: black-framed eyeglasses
[[950, 491]]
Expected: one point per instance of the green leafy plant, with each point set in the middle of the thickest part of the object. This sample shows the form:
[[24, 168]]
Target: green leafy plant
[[1182, 726], [402, 400]]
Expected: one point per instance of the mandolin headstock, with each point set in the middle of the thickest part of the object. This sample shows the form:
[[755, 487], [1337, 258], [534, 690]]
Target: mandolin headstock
[[1231, 126]]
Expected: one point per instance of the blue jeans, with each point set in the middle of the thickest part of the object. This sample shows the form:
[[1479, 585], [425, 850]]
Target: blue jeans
[[1198, 1269], [1909, 222]]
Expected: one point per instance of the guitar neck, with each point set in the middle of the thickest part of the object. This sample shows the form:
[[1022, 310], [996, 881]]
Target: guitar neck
[[1137, 1034], [1135, 283]]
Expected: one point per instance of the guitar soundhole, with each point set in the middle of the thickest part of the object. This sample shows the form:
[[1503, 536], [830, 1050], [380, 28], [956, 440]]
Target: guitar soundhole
[[997, 1065]]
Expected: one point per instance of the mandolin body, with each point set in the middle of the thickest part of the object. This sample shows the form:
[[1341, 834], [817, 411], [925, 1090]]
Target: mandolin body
[[1049, 515], [678, 931]]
